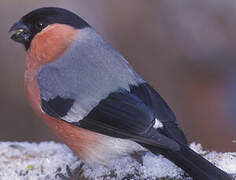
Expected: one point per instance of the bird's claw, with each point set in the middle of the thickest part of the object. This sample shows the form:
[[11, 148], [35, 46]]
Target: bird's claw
[[75, 175]]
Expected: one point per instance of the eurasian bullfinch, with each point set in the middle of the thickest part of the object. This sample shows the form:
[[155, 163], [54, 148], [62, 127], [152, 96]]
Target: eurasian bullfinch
[[93, 99]]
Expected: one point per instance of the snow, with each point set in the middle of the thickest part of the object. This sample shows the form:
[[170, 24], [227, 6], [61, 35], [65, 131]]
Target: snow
[[39, 161], [225, 161], [32, 161]]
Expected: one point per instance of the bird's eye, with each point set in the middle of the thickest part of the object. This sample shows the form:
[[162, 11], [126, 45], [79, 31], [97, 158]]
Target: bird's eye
[[40, 25]]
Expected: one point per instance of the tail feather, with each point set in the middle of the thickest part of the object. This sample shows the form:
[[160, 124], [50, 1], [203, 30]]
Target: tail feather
[[191, 162]]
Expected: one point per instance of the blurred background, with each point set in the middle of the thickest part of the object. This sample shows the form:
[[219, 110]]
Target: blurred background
[[185, 49]]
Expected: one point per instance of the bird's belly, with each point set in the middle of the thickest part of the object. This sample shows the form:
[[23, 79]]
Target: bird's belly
[[111, 148], [102, 149], [91, 147]]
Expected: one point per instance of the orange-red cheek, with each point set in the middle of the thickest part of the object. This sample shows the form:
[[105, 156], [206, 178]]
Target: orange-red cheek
[[51, 43]]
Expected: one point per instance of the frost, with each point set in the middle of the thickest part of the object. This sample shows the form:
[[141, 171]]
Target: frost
[[39, 161], [32, 161]]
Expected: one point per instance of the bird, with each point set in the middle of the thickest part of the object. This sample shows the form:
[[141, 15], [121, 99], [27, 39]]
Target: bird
[[92, 98]]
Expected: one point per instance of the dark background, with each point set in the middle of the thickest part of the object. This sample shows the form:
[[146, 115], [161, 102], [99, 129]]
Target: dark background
[[185, 49]]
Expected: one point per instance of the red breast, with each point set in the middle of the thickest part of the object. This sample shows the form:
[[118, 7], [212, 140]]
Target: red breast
[[46, 47]]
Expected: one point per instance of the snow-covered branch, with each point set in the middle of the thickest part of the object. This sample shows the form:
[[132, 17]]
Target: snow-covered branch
[[33, 161]]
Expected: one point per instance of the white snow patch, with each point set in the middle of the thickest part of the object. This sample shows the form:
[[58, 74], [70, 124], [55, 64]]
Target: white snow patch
[[225, 161], [39, 161], [33, 161], [158, 166]]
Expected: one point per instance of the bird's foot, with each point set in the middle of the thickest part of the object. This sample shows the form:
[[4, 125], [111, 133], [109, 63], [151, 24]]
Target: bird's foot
[[138, 156], [75, 175]]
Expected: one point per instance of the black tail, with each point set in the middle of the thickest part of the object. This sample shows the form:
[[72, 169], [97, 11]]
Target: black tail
[[191, 162]]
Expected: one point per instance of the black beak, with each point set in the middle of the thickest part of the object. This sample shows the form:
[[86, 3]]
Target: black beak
[[21, 33]]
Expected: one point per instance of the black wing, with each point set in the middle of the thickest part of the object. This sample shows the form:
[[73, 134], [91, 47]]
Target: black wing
[[124, 115], [161, 110]]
